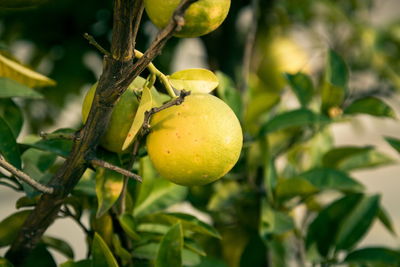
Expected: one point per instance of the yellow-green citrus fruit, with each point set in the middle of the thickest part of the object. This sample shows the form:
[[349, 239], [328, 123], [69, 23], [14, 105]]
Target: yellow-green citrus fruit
[[282, 54], [202, 17], [196, 142], [121, 117]]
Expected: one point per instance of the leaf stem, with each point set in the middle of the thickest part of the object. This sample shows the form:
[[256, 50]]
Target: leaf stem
[[163, 78]]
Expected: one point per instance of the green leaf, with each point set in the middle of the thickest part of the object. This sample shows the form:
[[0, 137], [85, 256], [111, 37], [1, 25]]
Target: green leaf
[[357, 223], [59, 245], [82, 263], [330, 218], [255, 252], [294, 118], [12, 114], [349, 158], [229, 94], [225, 194], [270, 179], [394, 142], [274, 222], [146, 103], [23, 75], [302, 86], [40, 256], [374, 255], [294, 187], [187, 221], [5, 263], [8, 146], [42, 160], [348, 219], [10, 227], [109, 186], [335, 156], [127, 223], [334, 89], [385, 219], [190, 258], [120, 251], [10, 88], [26, 202], [170, 250], [152, 228], [59, 147], [102, 256], [36, 164], [371, 106], [149, 252], [326, 178], [194, 80], [337, 71], [156, 194], [191, 245], [211, 262]]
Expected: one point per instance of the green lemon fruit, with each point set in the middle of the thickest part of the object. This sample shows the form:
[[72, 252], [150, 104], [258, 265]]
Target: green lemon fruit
[[196, 142], [121, 118], [202, 17]]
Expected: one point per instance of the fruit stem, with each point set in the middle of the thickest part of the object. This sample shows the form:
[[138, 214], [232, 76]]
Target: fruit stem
[[163, 78]]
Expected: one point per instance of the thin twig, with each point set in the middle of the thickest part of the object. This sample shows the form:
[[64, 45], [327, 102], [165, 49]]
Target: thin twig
[[67, 212], [93, 42], [249, 46], [147, 115], [107, 165], [128, 166], [49, 136], [137, 17], [25, 177]]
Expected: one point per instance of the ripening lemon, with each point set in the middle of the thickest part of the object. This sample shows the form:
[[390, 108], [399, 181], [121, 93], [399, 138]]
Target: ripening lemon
[[196, 142], [202, 17], [121, 118]]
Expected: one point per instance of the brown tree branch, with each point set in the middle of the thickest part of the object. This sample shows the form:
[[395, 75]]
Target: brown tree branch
[[107, 165], [25, 177], [118, 72]]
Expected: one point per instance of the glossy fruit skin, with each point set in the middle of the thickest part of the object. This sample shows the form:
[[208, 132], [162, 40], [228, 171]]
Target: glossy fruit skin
[[121, 118], [196, 142], [201, 18]]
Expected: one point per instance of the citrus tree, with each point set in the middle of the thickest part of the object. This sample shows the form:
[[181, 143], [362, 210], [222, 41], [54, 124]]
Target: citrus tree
[[248, 145]]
